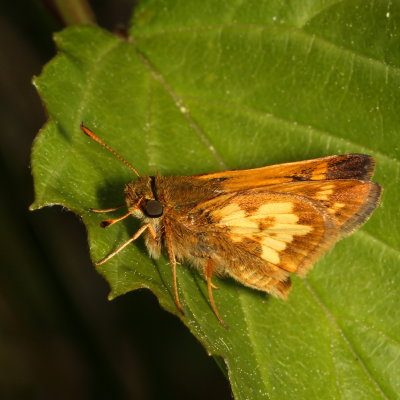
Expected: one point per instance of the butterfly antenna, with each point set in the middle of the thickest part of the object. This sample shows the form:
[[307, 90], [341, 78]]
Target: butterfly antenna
[[91, 134]]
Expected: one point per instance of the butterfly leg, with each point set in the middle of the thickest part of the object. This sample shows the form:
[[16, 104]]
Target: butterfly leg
[[214, 286], [105, 210], [134, 237], [208, 274], [173, 262]]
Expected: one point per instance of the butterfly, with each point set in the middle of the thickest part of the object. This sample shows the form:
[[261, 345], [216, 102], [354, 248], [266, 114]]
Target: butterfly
[[257, 226]]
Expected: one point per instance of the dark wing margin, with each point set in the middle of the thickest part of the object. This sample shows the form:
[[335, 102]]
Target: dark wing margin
[[351, 166]]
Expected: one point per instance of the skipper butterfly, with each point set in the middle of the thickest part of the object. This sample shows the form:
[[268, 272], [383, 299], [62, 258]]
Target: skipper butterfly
[[256, 226]]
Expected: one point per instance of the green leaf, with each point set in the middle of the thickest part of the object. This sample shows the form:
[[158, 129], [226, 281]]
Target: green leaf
[[224, 85]]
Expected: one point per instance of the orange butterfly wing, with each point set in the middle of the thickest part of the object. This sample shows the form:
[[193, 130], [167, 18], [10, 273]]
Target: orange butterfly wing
[[288, 215], [346, 166], [341, 184]]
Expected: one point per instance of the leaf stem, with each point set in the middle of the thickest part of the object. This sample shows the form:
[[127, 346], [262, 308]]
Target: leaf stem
[[72, 12]]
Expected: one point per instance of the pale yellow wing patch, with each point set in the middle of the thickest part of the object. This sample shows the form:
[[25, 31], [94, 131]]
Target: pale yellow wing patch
[[349, 202], [272, 225]]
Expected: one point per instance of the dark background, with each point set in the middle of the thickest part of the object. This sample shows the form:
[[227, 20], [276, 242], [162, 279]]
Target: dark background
[[59, 335]]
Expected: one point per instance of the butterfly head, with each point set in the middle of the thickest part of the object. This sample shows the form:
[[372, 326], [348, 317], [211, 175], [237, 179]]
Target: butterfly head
[[141, 198]]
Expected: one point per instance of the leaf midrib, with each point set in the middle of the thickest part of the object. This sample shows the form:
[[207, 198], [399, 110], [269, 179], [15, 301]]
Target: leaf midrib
[[178, 101]]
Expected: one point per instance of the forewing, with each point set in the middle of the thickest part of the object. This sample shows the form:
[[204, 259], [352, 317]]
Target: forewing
[[346, 166]]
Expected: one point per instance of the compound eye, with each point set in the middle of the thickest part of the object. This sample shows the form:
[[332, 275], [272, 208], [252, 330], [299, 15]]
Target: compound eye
[[153, 209]]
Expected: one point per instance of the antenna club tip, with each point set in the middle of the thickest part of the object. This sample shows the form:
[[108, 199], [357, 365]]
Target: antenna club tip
[[106, 223]]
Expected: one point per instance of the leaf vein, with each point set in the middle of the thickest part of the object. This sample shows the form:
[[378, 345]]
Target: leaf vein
[[331, 317], [178, 101], [311, 129], [294, 29], [252, 340]]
